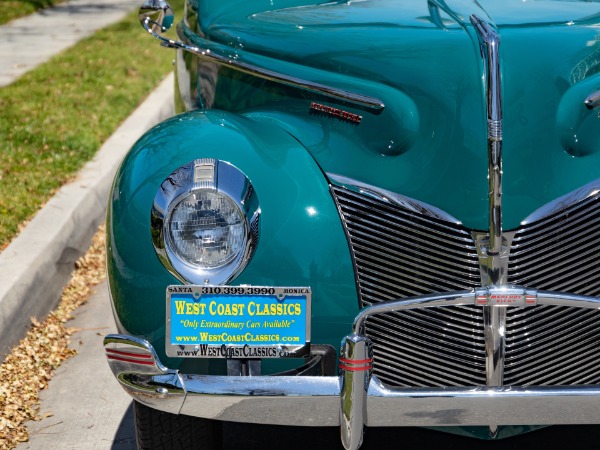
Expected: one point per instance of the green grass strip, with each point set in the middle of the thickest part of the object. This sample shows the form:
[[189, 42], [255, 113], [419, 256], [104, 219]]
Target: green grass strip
[[54, 118], [13, 9]]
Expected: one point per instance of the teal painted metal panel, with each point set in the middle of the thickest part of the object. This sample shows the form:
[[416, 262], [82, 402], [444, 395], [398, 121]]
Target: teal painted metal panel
[[302, 242]]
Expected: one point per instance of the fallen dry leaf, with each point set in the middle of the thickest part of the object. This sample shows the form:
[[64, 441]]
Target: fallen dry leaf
[[29, 367]]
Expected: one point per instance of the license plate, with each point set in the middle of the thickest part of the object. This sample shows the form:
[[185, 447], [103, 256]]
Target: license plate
[[238, 322]]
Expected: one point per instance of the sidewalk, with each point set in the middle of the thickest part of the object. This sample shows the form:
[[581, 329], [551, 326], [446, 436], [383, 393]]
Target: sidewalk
[[33, 40], [103, 418], [35, 267]]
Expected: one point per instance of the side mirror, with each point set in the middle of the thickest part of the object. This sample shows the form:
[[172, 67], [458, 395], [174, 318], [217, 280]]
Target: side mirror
[[156, 16]]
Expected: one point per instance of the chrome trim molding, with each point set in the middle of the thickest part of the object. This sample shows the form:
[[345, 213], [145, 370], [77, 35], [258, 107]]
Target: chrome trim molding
[[493, 256], [489, 42], [493, 266], [564, 202], [391, 197], [134, 364], [494, 322], [356, 364], [207, 174], [494, 271], [357, 398], [593, 100], [317, 88], [422, 301]]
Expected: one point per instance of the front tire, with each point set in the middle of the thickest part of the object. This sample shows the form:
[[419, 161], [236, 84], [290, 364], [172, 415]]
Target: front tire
[[160, 430]]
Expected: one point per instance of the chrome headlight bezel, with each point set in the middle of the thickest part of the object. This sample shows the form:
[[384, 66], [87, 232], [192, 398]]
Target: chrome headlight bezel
[[217, 177]]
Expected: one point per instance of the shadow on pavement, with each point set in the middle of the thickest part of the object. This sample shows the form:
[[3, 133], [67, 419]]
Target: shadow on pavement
[[125, 435], [262, 437], [265, 437]]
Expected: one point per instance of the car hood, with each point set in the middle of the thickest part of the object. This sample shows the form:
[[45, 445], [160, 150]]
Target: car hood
[[422, 59], [399, 13]]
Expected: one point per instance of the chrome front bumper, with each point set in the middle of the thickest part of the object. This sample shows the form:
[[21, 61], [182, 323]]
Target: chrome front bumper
[[356, 398]]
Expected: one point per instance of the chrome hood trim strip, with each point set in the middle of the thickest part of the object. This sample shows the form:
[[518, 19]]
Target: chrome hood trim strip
[[391, 197], [564, 202], [261, 72], [489, 42], [492, 257]]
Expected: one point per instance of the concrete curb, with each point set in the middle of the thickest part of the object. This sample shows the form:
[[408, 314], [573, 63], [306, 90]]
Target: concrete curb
[[35, 267]]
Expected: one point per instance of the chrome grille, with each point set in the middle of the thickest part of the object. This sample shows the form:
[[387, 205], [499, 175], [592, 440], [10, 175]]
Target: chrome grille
[[552, 345], [560, 252], [429, 347], [400, 253], [556, 345]]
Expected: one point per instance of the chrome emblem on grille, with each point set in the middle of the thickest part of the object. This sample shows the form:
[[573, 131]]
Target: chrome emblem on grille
[[505, 296]]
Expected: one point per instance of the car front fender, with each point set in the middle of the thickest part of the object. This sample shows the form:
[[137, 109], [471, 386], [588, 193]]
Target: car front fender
[[301, 241]]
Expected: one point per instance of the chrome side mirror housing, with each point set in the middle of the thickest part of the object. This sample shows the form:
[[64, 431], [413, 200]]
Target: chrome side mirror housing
[[156, 16]]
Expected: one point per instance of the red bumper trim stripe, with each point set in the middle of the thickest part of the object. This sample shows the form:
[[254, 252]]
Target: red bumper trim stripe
[[133, 355], [355, 369], [356, 361], [132, 361]]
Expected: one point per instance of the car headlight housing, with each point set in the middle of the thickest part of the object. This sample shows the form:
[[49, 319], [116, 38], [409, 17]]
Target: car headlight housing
[[205, 222]]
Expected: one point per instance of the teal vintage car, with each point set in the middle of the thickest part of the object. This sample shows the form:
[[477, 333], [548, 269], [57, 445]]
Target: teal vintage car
[[419, 180]]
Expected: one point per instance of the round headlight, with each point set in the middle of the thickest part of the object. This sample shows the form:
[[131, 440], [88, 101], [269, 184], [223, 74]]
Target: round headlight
[[206, 229], [205, 222]]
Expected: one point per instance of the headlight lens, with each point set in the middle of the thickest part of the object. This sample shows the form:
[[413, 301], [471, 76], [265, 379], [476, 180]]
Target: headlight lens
[[206, 229], [204, 222]]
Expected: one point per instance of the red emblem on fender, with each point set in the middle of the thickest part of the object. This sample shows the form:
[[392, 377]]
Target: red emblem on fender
[[340, 114]]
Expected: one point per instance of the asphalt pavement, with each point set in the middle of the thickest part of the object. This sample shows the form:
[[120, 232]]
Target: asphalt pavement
[[37, 264]]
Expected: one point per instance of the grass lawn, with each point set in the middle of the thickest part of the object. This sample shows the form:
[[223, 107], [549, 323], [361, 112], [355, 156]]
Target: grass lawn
[[54, 118], [13, 9]]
